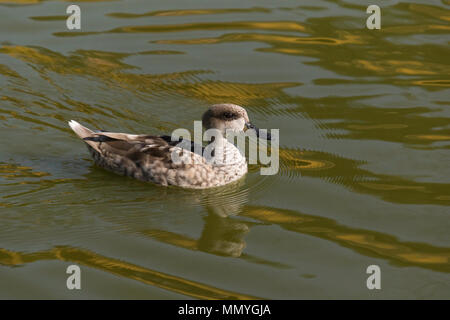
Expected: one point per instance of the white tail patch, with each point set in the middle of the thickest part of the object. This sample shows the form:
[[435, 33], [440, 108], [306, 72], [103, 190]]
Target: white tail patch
[[81, 131]]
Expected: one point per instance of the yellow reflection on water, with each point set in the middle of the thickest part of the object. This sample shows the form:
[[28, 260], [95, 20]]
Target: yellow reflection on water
[[13, 171], [432, 137], [20, 1], [108, 67], [293, 159], [370, 243], [186, 12], [433, 11], [122, 269], [433, 83], [400, 67], [289, 26], [172, 238], [275, 39], [295, 163], [6, 71], [416, 29]]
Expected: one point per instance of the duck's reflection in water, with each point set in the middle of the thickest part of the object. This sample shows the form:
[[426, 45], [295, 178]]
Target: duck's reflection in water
[[222, 233], [223, 236], [224, 228]]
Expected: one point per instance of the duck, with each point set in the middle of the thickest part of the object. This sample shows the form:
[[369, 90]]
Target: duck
[[174, 162]]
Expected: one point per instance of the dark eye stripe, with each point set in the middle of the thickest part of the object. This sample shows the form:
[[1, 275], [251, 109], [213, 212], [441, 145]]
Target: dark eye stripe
[[229, 115]]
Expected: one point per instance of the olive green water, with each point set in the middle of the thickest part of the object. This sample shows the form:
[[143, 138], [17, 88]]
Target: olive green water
[[364, 173]]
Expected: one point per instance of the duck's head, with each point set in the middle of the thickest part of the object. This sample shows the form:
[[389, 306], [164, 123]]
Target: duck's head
[[227, 116]]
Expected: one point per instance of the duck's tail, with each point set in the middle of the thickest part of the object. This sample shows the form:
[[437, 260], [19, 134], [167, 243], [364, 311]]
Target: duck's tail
[[84, 133], [80, 130]]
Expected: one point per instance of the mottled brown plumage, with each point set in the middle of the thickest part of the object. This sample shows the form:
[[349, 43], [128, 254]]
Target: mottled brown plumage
[[150, 158]]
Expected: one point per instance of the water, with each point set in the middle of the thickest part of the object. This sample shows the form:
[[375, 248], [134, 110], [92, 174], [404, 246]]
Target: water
[[364, 160]]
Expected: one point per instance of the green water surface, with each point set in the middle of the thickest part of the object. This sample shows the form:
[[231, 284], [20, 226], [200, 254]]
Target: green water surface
[[364, 119]]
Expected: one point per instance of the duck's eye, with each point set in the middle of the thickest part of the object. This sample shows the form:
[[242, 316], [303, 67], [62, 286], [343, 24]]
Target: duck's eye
[[228, 115]]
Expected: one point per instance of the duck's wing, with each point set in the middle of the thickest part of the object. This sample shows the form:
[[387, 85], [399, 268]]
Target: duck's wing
[[185, 144], [149, 143], [93, 138]]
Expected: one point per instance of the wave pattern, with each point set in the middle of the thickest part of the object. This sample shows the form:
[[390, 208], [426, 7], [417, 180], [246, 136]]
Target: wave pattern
[[364, 141]]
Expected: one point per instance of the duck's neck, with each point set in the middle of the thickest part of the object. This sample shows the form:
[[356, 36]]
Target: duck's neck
[[224, 153]]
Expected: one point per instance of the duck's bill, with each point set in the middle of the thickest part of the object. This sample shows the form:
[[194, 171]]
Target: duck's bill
[[263, 133]]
